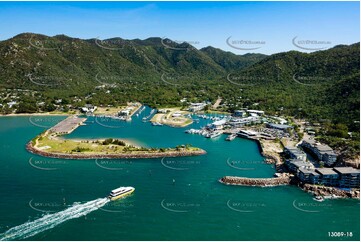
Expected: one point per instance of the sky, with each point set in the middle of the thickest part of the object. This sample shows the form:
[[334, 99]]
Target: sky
[[239, 27]]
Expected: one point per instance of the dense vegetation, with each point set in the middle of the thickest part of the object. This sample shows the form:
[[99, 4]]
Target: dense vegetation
[[63, 72]]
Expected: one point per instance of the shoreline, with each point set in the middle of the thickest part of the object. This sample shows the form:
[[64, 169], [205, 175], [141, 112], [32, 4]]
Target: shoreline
[[332, 192], [271, 157], [36, 114]]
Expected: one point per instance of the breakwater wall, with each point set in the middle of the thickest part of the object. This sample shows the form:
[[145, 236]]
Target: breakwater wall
[[259, 182], [148, 155], [324, 191]]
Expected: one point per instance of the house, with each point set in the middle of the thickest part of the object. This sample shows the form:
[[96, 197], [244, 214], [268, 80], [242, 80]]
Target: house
[[295, 153], [294, 165], [348, 176], [11, 104], [323, 152]]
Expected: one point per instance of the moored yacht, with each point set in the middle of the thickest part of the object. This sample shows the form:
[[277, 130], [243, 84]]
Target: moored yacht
[[231, 137], [213, 134], [120, 192]]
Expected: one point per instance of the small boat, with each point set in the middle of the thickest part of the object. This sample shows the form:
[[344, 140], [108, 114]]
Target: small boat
[[319, 199], [156, 124], [120, 192], [231, 137]]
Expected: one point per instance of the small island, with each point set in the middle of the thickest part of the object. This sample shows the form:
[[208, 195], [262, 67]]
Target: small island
[[51, 144]]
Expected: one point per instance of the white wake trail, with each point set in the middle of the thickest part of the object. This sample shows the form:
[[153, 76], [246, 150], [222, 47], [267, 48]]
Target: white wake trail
[[49, 221]]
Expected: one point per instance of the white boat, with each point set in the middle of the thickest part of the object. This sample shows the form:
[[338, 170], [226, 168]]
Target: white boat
[[213, 134], [120, 192], [319, 199], [231, 137], [157, 124]]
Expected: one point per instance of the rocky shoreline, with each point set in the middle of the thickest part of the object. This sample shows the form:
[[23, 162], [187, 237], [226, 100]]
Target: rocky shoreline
[[259, 182], [324, 191], [149, 155]]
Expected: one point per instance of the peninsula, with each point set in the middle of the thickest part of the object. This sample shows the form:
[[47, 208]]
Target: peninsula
[[51, 144]]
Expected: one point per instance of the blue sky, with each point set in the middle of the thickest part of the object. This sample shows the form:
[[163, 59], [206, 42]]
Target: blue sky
[[267, 26]]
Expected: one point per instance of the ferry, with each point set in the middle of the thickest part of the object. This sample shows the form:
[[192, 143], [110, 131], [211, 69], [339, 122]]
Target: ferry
[[120, 192]]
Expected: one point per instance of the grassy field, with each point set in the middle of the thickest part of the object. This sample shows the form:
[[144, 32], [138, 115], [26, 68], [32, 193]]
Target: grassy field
[[108, 110], [54, 144]]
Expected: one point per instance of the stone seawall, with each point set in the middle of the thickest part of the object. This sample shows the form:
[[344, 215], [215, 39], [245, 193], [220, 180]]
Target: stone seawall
[[324, 191], [149, 155], [260, 182]]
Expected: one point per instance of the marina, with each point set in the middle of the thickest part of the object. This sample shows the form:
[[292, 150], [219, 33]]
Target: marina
[[191, 185]]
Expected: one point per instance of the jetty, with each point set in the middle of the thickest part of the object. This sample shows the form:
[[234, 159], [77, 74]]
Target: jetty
[[68, 125], [258, 182]]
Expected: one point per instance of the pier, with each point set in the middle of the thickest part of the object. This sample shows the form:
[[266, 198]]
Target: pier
[[68, 125]]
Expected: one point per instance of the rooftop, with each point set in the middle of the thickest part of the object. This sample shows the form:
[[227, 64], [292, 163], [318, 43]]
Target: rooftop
[[279, 126], [326, 171], [300, 163], [295, 150], [346, 170], [309, 171]]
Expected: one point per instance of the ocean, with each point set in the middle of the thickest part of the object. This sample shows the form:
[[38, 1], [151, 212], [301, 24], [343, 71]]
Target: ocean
[[175, 198]]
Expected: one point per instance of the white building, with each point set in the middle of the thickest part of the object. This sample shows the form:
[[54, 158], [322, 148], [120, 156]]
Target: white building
[[195, 107]]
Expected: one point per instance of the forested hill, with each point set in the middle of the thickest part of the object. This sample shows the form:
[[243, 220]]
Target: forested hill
[[320, 85]]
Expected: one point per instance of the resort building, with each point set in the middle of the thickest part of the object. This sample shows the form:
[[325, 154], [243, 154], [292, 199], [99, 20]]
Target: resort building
[[344, 177], [295, 153], [282, 127], [294, 165], [247, 133], [323, 152], [258, 112], [308, 176], [349, 176], [239, 122], [328, 177], [239, 113], [195, 107], [218, 125]]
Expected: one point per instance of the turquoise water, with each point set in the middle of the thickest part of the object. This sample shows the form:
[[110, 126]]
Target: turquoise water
[[175, 198]]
